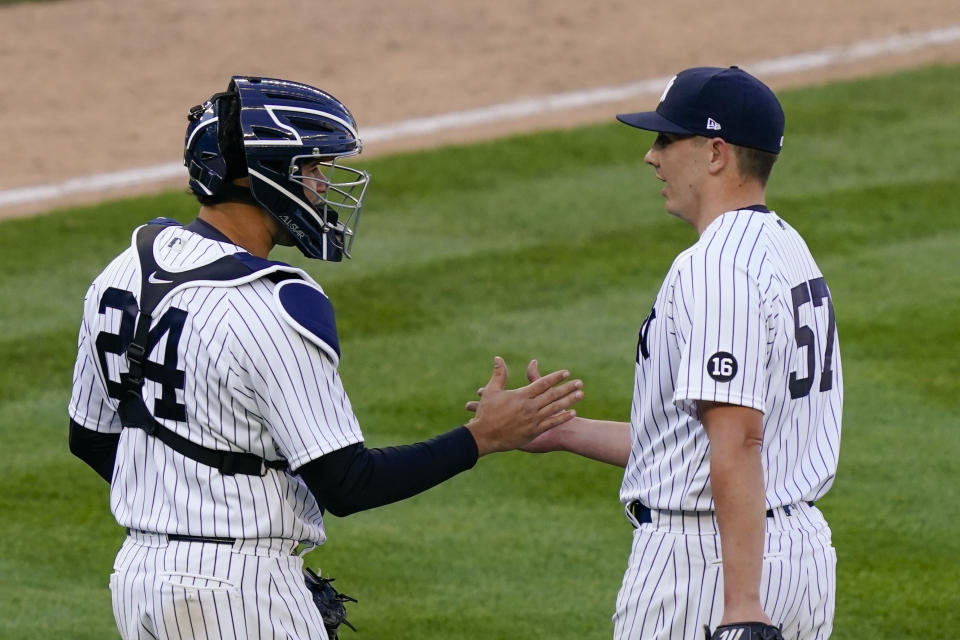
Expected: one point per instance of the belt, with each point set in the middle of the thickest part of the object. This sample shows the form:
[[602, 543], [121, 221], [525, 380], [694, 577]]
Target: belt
[[642, 513], [241, 545], [177, 537]]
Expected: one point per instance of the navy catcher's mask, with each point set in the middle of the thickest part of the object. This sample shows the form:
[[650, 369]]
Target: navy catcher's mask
[[287, 138]]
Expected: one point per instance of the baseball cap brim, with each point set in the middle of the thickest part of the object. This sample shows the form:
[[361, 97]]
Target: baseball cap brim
[[652, 121]]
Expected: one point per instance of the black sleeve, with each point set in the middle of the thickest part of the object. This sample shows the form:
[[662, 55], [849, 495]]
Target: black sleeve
[[99, 450], [356, 478]]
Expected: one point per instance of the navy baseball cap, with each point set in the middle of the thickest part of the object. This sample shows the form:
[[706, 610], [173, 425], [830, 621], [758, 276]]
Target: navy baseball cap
[[717, 103]]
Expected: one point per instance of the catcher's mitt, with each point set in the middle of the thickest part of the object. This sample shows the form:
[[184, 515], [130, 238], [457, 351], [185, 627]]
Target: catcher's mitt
[[329, 601], [744, 631]]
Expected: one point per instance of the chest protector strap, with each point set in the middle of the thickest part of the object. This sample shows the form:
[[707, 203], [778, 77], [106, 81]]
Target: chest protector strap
[[155, 285]]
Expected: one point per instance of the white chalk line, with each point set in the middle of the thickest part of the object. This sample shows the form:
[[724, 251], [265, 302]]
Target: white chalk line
[[831, 56]]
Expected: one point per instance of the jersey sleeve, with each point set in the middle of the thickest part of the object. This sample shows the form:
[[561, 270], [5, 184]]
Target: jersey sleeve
[[721, 333], [90, 406], [293, 378]]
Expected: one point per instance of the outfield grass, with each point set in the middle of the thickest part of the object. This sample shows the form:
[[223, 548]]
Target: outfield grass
[[6, 2], [549, 246]]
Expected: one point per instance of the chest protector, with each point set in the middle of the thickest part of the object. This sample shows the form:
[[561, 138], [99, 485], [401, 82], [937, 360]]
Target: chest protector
[[156, 284]]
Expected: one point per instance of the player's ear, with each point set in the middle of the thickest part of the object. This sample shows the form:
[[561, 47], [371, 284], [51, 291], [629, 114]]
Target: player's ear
[[720, 155]]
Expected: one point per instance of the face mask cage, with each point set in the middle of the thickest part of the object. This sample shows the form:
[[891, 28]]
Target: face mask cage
[[335, 193]]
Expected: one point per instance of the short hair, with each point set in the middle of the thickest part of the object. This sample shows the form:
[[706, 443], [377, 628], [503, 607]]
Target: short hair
[[754, 163], [207, 200], [234, 193]]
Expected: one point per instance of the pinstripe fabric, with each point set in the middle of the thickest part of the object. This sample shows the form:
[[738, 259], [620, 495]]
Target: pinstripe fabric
[[189, 590], [674, 582], [251, 383], [730, 324], [731, 292]]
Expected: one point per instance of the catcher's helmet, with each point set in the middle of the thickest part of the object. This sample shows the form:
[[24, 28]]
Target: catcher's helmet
[[287, 138]]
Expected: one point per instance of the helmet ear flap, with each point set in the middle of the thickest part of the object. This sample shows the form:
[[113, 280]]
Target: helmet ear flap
[[229, 135]]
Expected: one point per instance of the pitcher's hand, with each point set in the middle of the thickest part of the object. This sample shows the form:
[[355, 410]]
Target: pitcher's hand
[[509, 419]]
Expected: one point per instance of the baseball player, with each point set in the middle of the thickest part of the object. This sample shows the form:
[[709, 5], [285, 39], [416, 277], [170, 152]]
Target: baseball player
[[206, 388], [735, 424]]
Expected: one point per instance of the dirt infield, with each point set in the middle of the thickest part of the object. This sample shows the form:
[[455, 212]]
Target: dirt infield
[[94, 86]]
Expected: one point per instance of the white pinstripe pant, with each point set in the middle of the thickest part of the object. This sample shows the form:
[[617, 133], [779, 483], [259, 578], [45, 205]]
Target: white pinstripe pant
[[673, 585], [252, 590]]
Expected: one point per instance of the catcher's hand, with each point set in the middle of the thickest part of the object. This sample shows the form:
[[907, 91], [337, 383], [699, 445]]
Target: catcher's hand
[[329, 601], [744, 631]]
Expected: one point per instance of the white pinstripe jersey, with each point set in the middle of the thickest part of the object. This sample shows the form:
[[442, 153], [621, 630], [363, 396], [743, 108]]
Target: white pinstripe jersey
[[743, 317], [251, 383]]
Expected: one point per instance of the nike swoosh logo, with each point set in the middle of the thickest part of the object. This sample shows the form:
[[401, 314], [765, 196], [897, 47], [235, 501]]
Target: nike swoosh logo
[[153, 279]]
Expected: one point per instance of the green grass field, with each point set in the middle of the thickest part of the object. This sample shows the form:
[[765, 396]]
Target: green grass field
[[5, 2], [550, 246]]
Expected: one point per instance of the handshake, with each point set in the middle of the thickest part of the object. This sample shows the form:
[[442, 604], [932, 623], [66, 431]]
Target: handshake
[[508, 419]]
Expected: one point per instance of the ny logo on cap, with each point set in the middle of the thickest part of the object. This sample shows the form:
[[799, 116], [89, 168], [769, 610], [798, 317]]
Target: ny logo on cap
[[713, 125], [663, 96]]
